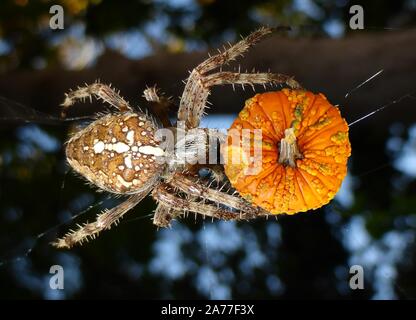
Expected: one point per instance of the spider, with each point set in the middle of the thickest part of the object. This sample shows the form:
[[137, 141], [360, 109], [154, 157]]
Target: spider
[[120, 152]]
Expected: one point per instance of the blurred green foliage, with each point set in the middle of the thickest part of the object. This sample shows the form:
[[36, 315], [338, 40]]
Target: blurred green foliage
[[25, 32]]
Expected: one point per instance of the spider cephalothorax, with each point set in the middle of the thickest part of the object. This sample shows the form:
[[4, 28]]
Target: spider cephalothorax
[[122, 153]]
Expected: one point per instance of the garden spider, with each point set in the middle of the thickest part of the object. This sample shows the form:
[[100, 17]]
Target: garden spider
[[121, 153]]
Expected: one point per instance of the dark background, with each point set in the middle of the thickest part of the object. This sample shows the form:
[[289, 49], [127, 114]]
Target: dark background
[[132, 44]]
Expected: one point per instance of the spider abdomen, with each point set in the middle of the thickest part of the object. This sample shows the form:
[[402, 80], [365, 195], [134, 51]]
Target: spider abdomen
[[117, 153]]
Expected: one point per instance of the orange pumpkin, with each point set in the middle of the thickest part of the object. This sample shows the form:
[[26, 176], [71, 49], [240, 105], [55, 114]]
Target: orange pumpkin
[[304, 151]]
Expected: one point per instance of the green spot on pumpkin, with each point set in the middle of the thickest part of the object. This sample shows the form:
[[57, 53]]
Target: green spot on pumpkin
[[298, 112], [244, 114], [339, 137]]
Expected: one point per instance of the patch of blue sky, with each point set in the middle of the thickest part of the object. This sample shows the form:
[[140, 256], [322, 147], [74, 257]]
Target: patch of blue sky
[[26, 151], [355, 235], [132, 44], [406, 156], [39, 282], [157, 28], [177, 4], [308, 7], [76, 30], [254, 256], [345, 195], [5, 48], [218, 121], [188, 21], [209, 283], [212, 236], [275, 285], [335, 28], [168, 259], [394, 144], [378, 257], [34, 135], [274, 233]]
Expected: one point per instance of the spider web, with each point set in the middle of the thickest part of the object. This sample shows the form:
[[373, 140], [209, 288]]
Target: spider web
[[35, 116], [32, 115]]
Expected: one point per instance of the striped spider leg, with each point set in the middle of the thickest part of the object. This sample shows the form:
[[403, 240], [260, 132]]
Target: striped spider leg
[[121, 152], [197, 88]]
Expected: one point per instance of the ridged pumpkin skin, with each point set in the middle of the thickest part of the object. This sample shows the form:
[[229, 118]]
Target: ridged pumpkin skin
[[322, 140]]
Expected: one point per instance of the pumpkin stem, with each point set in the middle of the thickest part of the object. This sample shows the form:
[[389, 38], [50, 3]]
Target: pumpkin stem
[[289, 151]]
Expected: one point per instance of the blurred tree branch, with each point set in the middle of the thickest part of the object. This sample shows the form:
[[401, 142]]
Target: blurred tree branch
[[332, 67]]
